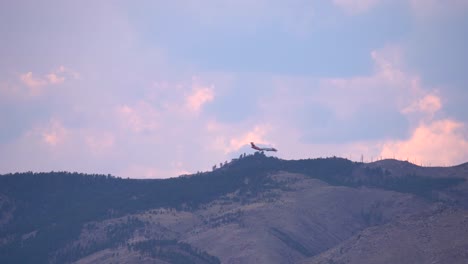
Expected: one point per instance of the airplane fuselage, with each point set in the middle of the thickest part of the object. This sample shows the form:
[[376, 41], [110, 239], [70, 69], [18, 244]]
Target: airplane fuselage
[[262, 149]]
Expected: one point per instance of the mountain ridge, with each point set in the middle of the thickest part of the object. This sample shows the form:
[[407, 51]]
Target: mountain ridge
[[49, 214]]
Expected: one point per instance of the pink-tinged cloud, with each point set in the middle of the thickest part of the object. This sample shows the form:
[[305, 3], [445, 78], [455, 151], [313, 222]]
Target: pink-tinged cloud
[[53, 78], [355, 6], [31, 81], [388, 63], [389, 85], [70, 73], [8, 91], [429, 105], [142, 117], [257, 134], [89, 150], [54, 133], [198, 97], [227, 140], [100, 143], [57, 76], [442, 142]]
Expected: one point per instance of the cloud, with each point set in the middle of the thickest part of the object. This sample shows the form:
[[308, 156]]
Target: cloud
[[431, 140], [100, 143], [54, 146], [391, 85], [54, 133], [389, 112], [198, 97], [7, 90], [57, 76], [230, 142], [142, 117], [441, 142], [32, 82], [356, 6], [53, 78], [429, 104], [137, 109]]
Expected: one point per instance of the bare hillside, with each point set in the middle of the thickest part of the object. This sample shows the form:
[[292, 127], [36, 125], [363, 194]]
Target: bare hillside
[[438, 235], [279, 226], [254, 210]]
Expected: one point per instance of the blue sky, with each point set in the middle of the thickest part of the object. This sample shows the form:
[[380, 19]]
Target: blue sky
[[156, 89]]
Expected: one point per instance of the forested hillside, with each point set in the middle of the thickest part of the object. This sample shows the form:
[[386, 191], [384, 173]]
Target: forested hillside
[[41, 212]]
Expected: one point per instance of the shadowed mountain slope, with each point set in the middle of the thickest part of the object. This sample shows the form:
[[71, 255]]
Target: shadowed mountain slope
[[256, 209], [438, 235]]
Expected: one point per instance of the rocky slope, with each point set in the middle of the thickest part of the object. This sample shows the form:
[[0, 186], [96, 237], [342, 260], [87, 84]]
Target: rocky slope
[[254, 210], [437, 235]]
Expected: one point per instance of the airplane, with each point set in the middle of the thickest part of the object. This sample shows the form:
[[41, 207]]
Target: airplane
[[261, 149]]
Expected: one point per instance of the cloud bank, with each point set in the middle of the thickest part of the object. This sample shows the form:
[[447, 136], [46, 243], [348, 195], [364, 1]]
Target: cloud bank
[[122, 92]]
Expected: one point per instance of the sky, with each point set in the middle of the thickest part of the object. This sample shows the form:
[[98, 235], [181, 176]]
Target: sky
[[156, 89]]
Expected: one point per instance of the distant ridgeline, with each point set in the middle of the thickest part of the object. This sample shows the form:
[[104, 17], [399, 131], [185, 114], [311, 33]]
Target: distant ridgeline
[[54, 206]]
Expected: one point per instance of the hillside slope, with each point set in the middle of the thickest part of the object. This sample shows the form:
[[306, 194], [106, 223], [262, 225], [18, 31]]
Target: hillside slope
[[254, 210], [438, 235]]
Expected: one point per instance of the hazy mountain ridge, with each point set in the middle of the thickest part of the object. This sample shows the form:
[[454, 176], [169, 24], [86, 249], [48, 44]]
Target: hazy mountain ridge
[[256, 209]]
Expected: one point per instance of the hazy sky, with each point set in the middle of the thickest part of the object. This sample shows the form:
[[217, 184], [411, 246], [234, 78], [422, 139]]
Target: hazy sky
[[152, 89]]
